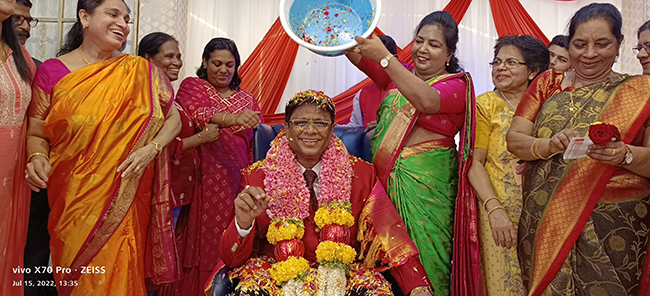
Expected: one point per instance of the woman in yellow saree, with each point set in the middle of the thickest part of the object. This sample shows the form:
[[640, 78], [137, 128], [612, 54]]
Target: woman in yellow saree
[[584, 224], [102, 120]]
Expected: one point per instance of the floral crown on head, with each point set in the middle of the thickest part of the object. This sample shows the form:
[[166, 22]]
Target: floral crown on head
[[319, 98]]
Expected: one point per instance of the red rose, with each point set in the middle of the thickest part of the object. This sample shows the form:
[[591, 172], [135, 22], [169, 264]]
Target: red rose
[[602, 133]]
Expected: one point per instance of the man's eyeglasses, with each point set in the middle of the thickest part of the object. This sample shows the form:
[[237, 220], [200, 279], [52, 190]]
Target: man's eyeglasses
[[302, 124], [19, 19], [510, 63], [638, 48]]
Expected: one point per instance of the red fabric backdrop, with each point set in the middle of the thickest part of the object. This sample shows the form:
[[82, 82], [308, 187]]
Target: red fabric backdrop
[[266, 72], [511, 18]]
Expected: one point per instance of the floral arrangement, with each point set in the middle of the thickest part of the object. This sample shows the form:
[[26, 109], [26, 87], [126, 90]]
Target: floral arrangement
[[285, 229], [289, 269], [334, 213], [318, 97], [289, 206], [602, 133], [333, 253]]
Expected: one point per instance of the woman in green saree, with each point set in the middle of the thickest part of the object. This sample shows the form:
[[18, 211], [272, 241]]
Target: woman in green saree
[[584, 223], [413, 146]]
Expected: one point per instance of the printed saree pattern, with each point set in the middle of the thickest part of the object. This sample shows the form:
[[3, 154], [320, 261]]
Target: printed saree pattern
[[577, 213]]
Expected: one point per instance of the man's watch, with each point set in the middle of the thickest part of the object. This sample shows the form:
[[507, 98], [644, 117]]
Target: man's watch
[[384, 62], [629, 157]]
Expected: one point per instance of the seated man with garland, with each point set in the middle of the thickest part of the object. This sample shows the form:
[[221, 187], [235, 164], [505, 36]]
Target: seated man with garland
[[311, 219]]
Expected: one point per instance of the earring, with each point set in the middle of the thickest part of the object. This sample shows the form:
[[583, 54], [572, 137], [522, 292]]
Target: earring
[[84, 26], [616, 59], [447, 63]]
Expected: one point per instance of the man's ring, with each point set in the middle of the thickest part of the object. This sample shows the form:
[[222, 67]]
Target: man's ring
[[137, 168], [613, 152], [26, 176], [246, 188], [206, 129]]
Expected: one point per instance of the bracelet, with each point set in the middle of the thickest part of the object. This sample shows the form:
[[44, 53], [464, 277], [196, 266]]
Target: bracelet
[[486, 201], [422, 289], [37, 153], [533, 151], [157, 146], [494, 209], [223, 119]]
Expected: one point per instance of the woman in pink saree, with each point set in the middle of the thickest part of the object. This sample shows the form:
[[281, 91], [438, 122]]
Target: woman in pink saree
[[214, 97]]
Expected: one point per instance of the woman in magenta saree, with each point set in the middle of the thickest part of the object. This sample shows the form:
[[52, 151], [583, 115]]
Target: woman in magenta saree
[[215, 97], [415, 154]]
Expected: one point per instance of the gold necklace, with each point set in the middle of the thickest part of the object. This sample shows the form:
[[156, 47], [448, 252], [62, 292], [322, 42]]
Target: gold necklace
[[82, 55], [572, 105], [510, 105]]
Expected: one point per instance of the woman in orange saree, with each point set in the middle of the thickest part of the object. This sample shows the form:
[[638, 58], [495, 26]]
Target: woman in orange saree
[[584, 224], [102, 120]]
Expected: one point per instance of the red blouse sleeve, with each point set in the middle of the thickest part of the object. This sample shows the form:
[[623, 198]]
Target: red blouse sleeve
[[375, 72], [543, 87]]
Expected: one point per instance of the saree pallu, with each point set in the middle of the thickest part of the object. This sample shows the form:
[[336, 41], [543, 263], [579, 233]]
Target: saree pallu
[[427, 183], [221, 164], [584, 224], [99, 223]]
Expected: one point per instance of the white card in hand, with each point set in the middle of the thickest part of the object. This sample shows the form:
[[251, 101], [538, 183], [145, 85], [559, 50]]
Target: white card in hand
[[577, 148]]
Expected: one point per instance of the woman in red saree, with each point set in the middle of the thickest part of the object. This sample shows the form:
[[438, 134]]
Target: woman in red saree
[[16, 73], [584, 224], [214, 97], [96, 124]]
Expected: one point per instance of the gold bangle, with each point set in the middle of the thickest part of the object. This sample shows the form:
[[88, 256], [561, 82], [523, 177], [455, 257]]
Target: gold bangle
[[494, 209], [486, 201], [422, 289], [157, 146], [539, 152], [35, 154], [223, 119], [535, 148]]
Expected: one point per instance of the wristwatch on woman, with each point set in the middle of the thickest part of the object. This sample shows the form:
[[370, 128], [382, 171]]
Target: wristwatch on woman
[[384, 62], [628, 156]]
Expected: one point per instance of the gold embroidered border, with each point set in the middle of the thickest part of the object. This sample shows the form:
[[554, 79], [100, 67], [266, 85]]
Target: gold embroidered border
[[573, 194]]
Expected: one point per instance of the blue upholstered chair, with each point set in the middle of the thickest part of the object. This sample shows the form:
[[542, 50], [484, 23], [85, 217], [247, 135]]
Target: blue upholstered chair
[[355, 139]]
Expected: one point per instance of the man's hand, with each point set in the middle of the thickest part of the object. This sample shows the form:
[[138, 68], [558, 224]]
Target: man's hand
[[249, 204]]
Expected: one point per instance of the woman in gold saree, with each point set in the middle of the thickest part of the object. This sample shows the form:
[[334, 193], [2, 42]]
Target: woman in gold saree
[[96, 124], [584, 224]]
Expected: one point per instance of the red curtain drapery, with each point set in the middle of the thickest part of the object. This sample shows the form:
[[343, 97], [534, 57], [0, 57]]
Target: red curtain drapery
[[457, 9], [343, 101], [266, 72], [510, 18]]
